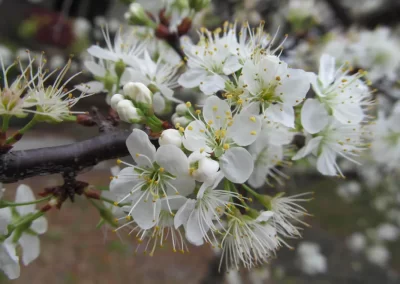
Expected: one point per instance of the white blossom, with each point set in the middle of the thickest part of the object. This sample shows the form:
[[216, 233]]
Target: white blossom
[[378, 254], [170, 136], [311, 260], [158, 174]]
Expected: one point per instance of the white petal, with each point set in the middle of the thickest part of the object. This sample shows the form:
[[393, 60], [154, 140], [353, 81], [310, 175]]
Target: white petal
[[5, 219], [146, 212], [95, 68], [125, 181], [212, 84], [265, 216], [258, 177], [314, 116], [216, 110], [40, 225], [138, 143], [102, 53], [231, 65], [172, 159], [184, 184], [281, 113], [158, 103], [182, 216], [237, 164], [348, 113], [167, 92], [25, 194], [12, 270], [30, 247], [326, 162], [326, 73], [194, 234], [293, 89], [308, 148], [195, 136], [91, 87], [172, 202], [192, 78], [245, 129]]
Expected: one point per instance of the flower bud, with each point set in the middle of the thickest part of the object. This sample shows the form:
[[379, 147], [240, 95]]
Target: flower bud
[[170, 136], [182, 120], [202, 167], [181, 109], [127, 112], [136, 15], [138, 93], [115, 99], [159, 104]]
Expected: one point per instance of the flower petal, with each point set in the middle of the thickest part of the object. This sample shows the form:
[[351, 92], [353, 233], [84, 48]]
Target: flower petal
[[146, 212], [25, 194], [184, 184], [245, 129], [194, 233], [326, 74], [294, 88], [192, 78], [102, 53], [348, 113], [281, 113], [30, 247], [237, 164], [308, 148], [231, 65], [196, 137], [172, 159], [182, 216], [216, 112], [314, 116], [40, 225], [212, 84], [326, 162], [95, 68], [138, 143]]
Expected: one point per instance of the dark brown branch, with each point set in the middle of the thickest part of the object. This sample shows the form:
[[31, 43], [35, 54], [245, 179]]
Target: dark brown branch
[[389, 14], [18, 165]]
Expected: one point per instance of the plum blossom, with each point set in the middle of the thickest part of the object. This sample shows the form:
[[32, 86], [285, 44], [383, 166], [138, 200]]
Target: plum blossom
[[343, 95], [29, 238], [274, 88], [218, 132], [158, 174]]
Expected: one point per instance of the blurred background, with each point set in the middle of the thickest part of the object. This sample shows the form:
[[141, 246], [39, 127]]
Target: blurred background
[[355, 224]]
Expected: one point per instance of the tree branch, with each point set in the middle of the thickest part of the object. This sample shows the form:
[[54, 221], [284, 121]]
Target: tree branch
[[341, 14], [18, 165]]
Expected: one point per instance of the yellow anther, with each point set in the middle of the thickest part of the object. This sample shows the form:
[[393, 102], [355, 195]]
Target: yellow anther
[[278, 78], [128, 218], [252, 118], [229, 96], [230, 123], [240, 101], [226, 146], [161, 170], [218, 117], [177, 125], [202, 130], [181, 129], [137, 155], [188, 104], [191, 170], [119, 161], [201, 150], [210, 122], [198, 111], [215, 108], [253, 132], [190, 127], [115, 203]]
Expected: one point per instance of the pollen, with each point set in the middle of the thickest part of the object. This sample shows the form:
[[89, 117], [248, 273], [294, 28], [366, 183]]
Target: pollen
[[137, 155], [278, 78], [190, 127], [161, 170], [181, 129], [240, 101], [201, 150], [215, 108], [226, 146], [128, 217], [115, 203], [188, 104], [253, 132], [210, 122], [198, 111], [252, 118], [119, 161]]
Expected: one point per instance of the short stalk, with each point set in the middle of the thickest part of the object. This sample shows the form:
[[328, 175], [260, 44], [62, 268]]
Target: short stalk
[[16, 136], [12, 204], [6, 121]]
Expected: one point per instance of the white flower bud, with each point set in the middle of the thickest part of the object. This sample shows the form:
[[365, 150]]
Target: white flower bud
[[159, 104], [181, 109], [136, 15], [183, 121], [202, 167], [127, 111], [138, 92], [170, 136], [115, 99]]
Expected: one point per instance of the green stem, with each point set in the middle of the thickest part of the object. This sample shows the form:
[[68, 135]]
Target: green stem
[[4, 203], [233, 188], [29, 125], [6, 121], [251, 191]]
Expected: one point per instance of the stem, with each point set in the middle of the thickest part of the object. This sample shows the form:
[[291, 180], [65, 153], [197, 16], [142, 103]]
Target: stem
[[6, 121], [16, 136], [251, 191], [105, 199], [12, 204], [233, 187]]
